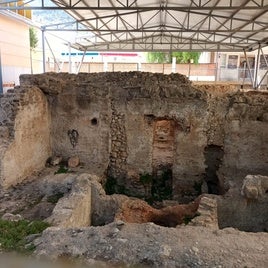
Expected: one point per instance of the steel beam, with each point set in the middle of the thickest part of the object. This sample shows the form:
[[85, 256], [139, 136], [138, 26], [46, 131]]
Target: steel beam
[[3, 6], [257, 67], [193, 25], [80, 64], [266, 73], [248, 67], [55, 60]]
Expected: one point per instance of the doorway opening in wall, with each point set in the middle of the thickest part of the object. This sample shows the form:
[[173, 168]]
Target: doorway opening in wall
[[162, 184], [163, 157], [213, 159]]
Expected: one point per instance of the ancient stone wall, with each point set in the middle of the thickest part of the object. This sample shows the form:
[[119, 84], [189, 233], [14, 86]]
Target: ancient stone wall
[[153, 131], [80, 116], [74, 209], [156, 104], [25, 133], [246, 133]]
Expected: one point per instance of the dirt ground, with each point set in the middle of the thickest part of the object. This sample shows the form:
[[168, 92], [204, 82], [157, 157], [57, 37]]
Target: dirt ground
[[26, 199], [131, 245], [35, 197]]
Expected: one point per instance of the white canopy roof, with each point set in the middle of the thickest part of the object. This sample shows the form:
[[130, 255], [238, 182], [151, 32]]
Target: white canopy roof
[[162, 25]]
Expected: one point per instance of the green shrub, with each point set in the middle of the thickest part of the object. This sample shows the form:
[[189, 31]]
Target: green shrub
[[162, 186], [13, 234], [62, 169]]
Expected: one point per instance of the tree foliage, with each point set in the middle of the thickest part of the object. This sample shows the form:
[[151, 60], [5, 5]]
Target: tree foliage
[[186, 57], [33, 38], [158, 57], [181, 57]]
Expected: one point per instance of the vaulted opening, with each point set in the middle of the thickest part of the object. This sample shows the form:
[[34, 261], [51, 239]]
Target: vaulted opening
[[163, 157]]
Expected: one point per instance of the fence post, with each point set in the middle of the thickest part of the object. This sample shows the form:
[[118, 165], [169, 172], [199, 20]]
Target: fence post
[[217, 69], [173, 69], [139, 66]]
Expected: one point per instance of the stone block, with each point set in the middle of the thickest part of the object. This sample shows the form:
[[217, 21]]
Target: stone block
[[74, 209], [254, 186], [73, 161]]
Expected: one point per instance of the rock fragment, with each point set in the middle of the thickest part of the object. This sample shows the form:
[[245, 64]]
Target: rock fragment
[[73, 161]]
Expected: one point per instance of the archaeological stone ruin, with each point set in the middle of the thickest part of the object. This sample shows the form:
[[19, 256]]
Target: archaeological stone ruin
[[139, 147]]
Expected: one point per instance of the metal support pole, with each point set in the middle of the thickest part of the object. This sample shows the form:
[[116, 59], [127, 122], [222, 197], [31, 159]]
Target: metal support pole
[[82, 60], [189, 69], [173, 65], [61, 66], [70, 59], [250, 75], [44, 50], [217, 67], [265, 60], [266, 73], [53, 54], [139, 66], [257, 66], [244, 74], [1, 79]]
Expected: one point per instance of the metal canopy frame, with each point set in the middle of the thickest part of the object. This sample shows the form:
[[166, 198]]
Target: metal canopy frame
[[159, 25]]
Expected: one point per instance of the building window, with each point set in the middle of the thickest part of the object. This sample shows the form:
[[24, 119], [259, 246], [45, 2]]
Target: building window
[[232, 61]]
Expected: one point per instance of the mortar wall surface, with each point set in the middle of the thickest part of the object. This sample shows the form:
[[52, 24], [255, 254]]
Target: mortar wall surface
[[114, 116], [25, 127]]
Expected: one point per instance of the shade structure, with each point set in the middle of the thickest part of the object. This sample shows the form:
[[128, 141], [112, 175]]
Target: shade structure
[[160, 25]]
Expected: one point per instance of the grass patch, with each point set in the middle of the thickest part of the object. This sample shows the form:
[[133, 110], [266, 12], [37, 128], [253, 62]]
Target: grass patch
[[62, 169], [13, 234], [162, 186]]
